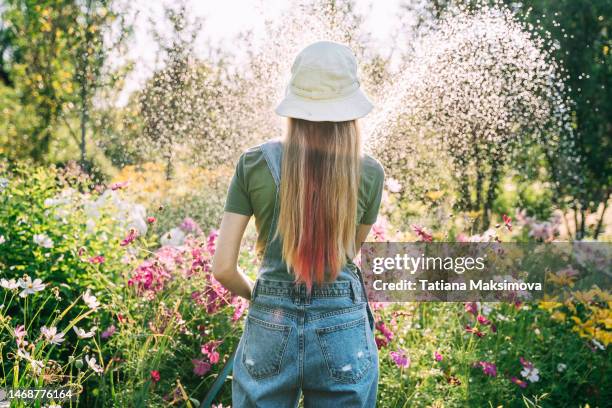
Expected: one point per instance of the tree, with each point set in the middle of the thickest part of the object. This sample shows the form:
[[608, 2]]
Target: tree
[[54, 57], [182, 105], [579, 32], [480, 88]]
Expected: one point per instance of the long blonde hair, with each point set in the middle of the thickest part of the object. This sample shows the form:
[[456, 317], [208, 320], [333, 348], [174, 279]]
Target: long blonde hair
[[318, 197]]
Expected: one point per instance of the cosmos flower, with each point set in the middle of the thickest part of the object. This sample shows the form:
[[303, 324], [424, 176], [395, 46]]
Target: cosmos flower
[[9, 284], [483, 320], [110, 330], [529, 371], [518, 382], [437, 356], [51, 335], [82, 334], [488, 368], [200, 366], [93, 364], [421, 233], [381, 327], [210, 349], [393, 185], [507, 222], [471, 307], [30, 287], [90, 300], [131, 236], [400, 358], [96, 260], [155, 376], [43, 240]]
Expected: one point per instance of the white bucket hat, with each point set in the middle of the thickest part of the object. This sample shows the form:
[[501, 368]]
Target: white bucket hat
[[324, 86]]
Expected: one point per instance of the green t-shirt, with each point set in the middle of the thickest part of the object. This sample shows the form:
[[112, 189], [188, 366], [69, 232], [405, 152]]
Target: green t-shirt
[[252, 192]]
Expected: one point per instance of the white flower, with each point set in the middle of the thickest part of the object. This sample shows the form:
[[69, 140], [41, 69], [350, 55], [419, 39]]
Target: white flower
[[9, 284], [3, 184], [93, 364], [2, 239], [561, 367], [43, 240], [51, 335], [393, 185], [82, 334], [90, 225], [90, 300], [531, 373], [23, 354], [486, 309], [30, 287], [174, 238], [36, 365]]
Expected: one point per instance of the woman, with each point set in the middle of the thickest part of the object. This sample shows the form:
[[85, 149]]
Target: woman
[[315, 197]]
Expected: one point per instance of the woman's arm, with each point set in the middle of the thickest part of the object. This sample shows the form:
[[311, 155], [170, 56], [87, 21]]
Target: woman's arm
[[225, 260], [361, 235]]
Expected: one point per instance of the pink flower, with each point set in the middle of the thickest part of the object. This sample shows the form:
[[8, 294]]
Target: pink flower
[[96, 260], [421, 233], [200, 367], [526, 364], [110, 330], [471, 307], [155, 376], [210, 349], [20, 334], [507, 221], [119, 185], [488, 368], [437, 356], [474, 330], [381, 342], [483, 320], [132, 235], [378, 232], [400, 358], [240, 305], [211, 241], [518, 382], [151, 220], [462, 238], [190, 226], [385, 331], [149, 277]]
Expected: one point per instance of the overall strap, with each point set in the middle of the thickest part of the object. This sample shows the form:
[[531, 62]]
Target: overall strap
[[273, 153]]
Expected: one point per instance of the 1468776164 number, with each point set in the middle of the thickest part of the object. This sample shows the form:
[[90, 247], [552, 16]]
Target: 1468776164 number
[[38, 394]]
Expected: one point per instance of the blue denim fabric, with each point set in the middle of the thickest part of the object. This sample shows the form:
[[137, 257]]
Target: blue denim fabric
[[320, 344]]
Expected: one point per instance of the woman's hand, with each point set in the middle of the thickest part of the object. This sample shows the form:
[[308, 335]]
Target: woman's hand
[[225, 260]]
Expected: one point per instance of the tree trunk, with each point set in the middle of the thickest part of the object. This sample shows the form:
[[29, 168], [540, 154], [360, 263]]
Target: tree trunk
[[582, 222], [84, 119], [576, 226], [601, 218]]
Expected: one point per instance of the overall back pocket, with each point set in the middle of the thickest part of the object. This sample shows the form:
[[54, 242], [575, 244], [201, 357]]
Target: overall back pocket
[[264, 347], [346, 350]]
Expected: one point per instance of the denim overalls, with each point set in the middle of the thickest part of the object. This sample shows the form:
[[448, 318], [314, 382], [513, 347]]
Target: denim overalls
[[320, 344]]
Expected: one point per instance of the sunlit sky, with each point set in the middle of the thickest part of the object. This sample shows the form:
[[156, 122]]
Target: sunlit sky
[[224, 19]]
